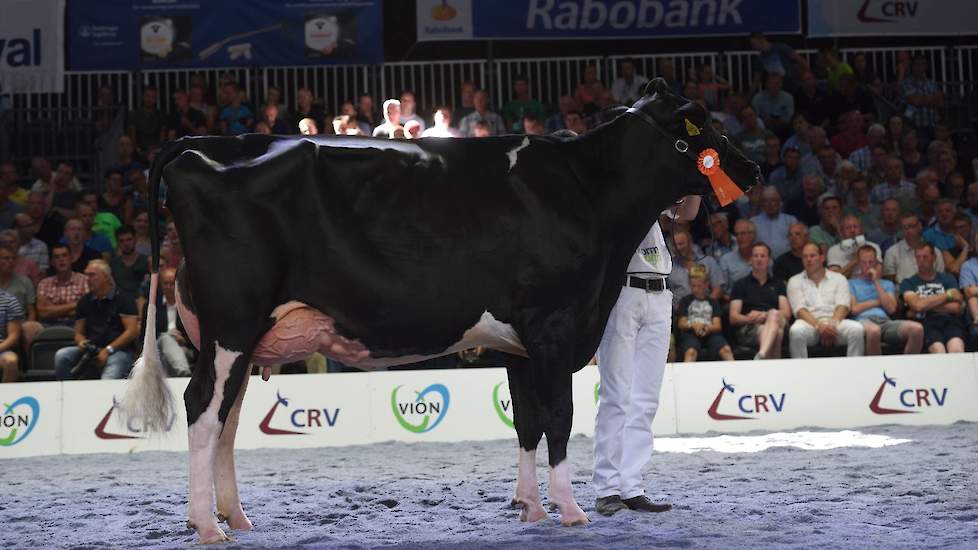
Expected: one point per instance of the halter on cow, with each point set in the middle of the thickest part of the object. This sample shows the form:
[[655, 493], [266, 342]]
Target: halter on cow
[[384, 252]]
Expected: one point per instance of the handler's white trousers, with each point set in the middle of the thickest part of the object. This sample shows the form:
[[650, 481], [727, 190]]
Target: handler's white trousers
[[631, 360]]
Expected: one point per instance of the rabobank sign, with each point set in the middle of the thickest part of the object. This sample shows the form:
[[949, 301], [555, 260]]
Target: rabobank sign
[[541, 19]]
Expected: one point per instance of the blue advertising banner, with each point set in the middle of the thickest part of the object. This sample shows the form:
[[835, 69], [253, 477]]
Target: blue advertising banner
[[604, 19], [162, 34]]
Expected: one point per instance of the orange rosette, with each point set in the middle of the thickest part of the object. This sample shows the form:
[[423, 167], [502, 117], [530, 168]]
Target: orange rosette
[[708, 162]]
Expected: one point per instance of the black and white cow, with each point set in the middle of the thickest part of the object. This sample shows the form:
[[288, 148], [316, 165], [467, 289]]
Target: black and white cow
[[380, 252]]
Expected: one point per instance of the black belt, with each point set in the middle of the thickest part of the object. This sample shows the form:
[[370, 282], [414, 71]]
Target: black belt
[[648, 285]]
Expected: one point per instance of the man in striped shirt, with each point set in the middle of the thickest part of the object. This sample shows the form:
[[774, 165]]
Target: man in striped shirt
[[11, 315]]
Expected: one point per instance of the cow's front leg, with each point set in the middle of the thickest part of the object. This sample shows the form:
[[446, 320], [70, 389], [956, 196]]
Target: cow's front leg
[[225, 482], [529, 432], [205, 432], [558, 413]]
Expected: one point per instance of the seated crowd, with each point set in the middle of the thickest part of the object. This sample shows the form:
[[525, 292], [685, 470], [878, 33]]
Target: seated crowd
[[862, 238]]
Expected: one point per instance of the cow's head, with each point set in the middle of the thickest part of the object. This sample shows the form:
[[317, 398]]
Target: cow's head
[[707, 162]]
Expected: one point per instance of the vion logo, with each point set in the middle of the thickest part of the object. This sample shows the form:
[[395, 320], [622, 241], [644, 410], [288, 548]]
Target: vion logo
[[503, 406], [133, 426], [415, 415], [746, 403], [18, 420], [910, 398], [886, 11], [298, 418]]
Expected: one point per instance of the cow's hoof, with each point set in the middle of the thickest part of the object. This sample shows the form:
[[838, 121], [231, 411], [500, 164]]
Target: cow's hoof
[[236, 520], [213, 535], [573, 515], [530, 512]]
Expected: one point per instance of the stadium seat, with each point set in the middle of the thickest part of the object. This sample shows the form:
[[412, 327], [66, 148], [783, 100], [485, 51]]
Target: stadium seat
[[40, 364]]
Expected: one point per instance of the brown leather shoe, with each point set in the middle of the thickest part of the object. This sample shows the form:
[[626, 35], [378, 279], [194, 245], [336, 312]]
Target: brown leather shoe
[[642, 503], [607, 506]]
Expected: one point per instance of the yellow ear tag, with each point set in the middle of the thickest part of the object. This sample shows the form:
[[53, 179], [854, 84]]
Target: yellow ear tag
[[691, 128]]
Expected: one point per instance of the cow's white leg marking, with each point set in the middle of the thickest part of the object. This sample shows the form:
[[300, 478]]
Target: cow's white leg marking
[[527, 491], [225, 481], [562, 495], [204, 435], [512, 154]]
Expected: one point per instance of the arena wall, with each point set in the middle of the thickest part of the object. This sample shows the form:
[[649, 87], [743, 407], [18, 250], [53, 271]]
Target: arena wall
[[318, 410]]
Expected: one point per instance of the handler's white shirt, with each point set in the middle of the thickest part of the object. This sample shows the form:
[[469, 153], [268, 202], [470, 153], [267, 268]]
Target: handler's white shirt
[[652, 258]]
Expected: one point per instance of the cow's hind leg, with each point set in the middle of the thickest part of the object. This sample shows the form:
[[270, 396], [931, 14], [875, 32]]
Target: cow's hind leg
[[557, 413], [226, 484], [529, 431], [205, 431]]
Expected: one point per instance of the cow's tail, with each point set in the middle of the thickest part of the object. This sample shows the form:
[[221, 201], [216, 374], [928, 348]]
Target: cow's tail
[[148, 397]]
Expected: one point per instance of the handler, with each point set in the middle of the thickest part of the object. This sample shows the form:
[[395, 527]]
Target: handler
[[632, 360]]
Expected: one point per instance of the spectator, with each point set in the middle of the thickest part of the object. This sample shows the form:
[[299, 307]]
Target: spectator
[[712, 86], [923, 97], [802, 137], [308, 127], [772, 156], [752, 139], [835, 67], [276, 123], [874, 302], [924, 203], [850, 136], [816, 139], [749, 204], [789, 264], [114, 199], [589, 89], [842, 255], [481, 112], [772, 224], [176, 351], [466, 101], [22, 288], [236, 118], [128, 160], [481, 129], [29, 247], [411, 130], [58, 294], [522, 104], [199, 103], [171, 251], [876, 173], [75, 239], [666, 70], [565, 104], [862, 158], [8, 208], [630, 86], [860, 204], [941, 234], [777, 58], [140, 226], [900, 261], [955, 256], [894, 184], [810, 100], [686, 265], [49, 227], [106, 319], [22, 266], [8, 180], [60, 196], [934, 299], [845, 174], [146, 123], [722, 241], [129, 267], [699, 323], [972, 210], [826, 233], [96, 241], [787, 178], [888, 231], [41, 169], [820, 300], [774, 105], [969, 287], [955, 189], [443, 124], [408, 106], [730, 115], [184, 120], [306, 106], [759, 306], [805, 206], [913, 161], [282, 115], [826, 166], [11, 317], [348, 109], [532, 126], [574, 122], [736, 263]]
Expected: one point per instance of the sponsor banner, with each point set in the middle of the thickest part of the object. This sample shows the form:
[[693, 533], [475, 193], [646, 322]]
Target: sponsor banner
[[787, 394], [92, 423], [886, 17], [32, 46], [30, 419], [306, 410], [602, 19], [153, 34]]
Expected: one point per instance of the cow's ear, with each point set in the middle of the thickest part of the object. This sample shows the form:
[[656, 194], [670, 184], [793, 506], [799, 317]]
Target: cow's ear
[[693, 113], [656, 85]]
